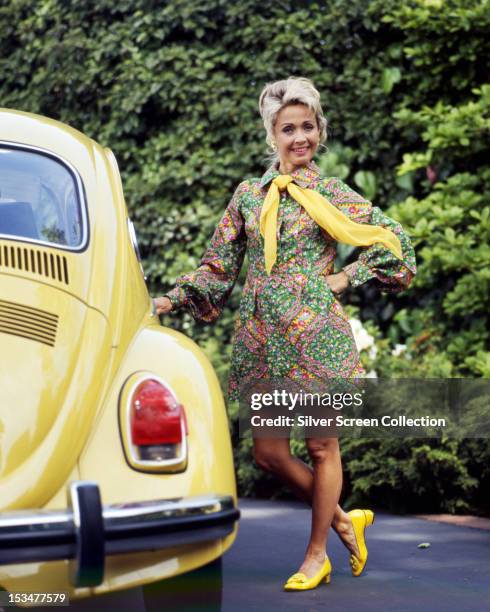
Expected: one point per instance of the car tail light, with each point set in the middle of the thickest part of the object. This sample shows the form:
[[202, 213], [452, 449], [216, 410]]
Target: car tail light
[[156, 427]]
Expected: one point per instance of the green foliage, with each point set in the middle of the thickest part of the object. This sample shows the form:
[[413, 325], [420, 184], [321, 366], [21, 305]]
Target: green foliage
[[406, 477], [366, 182], [172, 88], [450, 224]]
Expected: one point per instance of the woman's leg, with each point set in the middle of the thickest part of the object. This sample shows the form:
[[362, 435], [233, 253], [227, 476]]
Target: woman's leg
[[327, 484], [274, 455]]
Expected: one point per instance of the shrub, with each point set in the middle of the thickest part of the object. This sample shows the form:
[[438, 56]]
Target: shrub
[[173, 91]]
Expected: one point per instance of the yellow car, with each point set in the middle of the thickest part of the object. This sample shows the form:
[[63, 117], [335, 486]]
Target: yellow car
[[116, 465]]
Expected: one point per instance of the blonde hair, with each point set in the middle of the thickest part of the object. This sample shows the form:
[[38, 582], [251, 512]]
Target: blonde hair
[[293, 90]]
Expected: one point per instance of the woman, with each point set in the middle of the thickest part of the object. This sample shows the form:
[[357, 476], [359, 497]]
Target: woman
[[290, 324]]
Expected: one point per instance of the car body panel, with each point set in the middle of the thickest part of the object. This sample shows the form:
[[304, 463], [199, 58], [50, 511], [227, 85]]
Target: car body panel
[[60, 415], [49, 405], [187, 370], [98, 275], [121, 572]]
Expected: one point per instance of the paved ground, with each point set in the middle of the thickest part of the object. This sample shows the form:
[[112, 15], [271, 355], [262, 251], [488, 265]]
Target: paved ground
[[477, 522], [452, 575]]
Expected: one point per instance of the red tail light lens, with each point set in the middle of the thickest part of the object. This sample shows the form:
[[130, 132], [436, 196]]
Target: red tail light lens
[[156, 417]]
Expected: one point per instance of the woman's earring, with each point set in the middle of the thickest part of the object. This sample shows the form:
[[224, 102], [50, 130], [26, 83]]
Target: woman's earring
[[273, 145]]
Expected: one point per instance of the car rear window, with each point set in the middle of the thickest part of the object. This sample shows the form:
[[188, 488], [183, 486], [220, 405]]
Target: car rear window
[[39, 199]]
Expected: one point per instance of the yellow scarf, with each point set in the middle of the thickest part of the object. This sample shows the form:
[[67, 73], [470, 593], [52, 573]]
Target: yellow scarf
[[338, 225]]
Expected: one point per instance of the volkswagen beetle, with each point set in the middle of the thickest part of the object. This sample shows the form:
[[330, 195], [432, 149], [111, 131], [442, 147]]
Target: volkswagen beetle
[[116, 467]]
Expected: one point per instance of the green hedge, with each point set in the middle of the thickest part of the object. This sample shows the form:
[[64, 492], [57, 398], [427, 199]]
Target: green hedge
[[173, 90]]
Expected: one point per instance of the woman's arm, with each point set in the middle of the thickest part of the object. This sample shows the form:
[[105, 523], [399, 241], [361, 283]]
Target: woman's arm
[[205, 290], [375, 263]]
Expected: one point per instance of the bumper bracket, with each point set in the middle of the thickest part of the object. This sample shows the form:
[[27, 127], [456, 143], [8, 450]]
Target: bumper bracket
[[87, 567]]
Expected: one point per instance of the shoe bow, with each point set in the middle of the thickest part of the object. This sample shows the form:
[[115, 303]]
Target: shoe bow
[[298, 578]]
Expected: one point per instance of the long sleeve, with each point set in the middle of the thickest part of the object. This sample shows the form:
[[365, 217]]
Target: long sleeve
[[205, 290], [375, 263]]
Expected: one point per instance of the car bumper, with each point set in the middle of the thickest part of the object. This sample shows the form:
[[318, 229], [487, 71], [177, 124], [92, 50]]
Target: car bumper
[[87, 532]]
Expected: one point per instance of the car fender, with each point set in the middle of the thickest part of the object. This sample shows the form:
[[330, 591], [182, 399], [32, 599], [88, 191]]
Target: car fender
[[179, 362]]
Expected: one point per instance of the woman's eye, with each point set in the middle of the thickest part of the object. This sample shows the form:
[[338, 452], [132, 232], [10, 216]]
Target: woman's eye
[[308, 127], [288, 130]]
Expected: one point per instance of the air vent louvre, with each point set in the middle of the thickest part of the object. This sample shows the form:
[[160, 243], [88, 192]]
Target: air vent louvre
[[27, 322], [35, 261]]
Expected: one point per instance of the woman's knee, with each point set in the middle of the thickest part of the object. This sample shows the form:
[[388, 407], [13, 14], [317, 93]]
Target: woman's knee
[[271, 461], [322, 449]]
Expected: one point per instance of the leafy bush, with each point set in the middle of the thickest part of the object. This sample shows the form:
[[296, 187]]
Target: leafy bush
[[450, 223], [411, 476], [173, 90]]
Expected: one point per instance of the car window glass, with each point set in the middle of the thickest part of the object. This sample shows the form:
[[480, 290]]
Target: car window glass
[[38, 199]]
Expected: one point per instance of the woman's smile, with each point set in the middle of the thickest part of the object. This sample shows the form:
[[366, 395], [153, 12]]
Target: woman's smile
[[296, 135], [300, 150]]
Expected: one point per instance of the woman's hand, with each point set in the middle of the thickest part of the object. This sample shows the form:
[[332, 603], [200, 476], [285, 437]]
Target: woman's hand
[[162, 305], [338, 282]]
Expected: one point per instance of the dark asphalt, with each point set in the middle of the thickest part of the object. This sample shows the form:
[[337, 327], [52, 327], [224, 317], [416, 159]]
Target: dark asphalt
[[452, 575]]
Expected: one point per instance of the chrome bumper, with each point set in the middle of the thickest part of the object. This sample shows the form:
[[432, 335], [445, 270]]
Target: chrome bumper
[[87, 531]]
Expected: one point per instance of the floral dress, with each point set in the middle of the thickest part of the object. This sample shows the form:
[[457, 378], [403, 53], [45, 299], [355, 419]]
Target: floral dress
[[290, 325]]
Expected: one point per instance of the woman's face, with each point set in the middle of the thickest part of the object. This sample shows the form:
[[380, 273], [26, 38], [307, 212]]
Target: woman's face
[[296, 135]]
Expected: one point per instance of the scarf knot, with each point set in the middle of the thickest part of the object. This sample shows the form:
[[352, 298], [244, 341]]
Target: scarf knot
[[325, 214], [282, 181]]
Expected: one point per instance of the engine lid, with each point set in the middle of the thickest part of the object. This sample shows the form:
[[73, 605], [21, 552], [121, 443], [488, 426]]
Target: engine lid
[[54, 360]]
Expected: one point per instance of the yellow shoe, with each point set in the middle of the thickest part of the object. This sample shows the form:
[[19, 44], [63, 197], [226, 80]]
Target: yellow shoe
[[299, 582], [360, 520]]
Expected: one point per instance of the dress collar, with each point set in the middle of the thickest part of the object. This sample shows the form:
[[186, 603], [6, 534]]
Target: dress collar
[[303, 176]]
